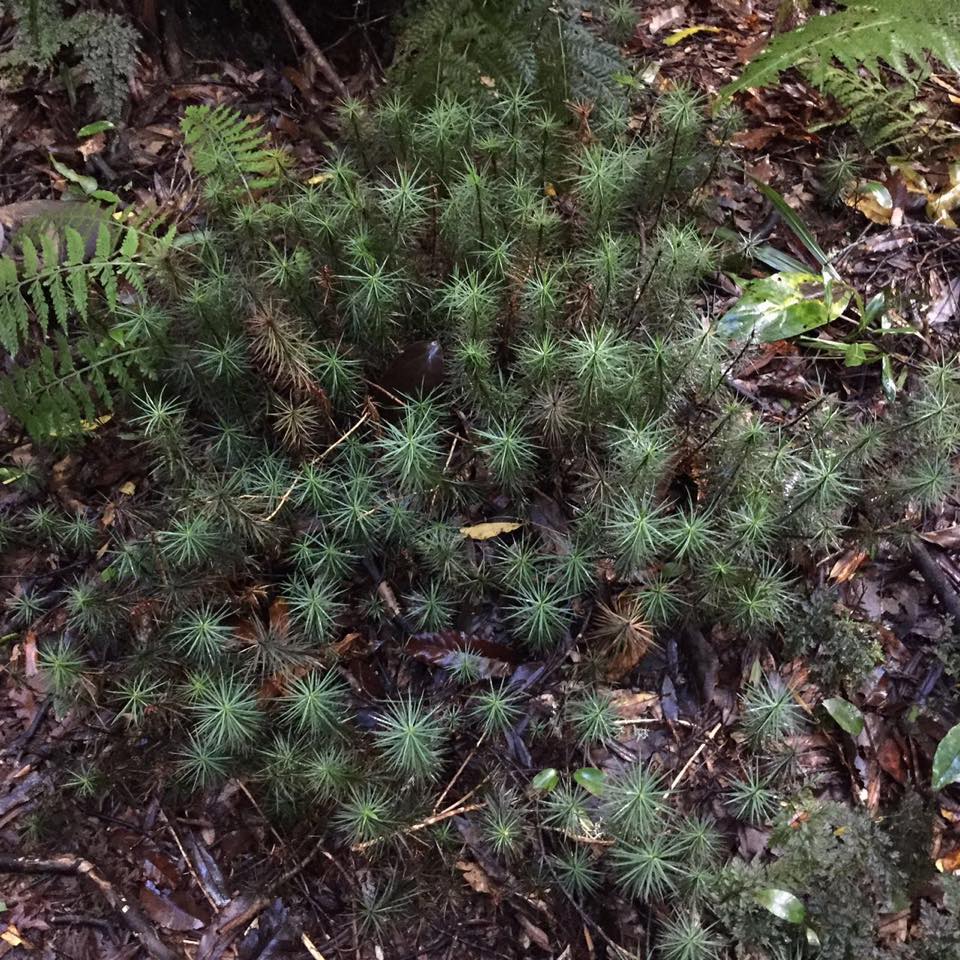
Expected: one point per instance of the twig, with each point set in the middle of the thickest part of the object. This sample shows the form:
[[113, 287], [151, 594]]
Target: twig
[[186, 859], [456, 776], [71, 866], [689, 763], [423, 824], [293, 486], [924, 561], [303, 35], [20, 745]]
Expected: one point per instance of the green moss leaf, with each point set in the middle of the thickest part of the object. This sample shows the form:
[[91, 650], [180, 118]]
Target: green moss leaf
[[847, 716], [946, 761]]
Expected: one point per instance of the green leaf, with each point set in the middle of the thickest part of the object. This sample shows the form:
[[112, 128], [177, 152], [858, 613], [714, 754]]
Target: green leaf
[[887, 379], [782, 904], [87, 184], [591, 779], [107, 196], [98, 126], [799, 228], [946, 761], [847, 716], [780, 306], [545, 780]]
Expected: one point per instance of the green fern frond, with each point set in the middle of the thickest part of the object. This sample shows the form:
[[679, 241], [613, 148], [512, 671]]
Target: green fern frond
[[865, 32], [230, 149]]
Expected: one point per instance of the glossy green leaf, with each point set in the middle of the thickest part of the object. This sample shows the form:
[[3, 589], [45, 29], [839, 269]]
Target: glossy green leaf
[[98, 126], [782, 904], [87, 184], [545, 780], [847, 716], [946, 761], [781, 306], [591, 779]]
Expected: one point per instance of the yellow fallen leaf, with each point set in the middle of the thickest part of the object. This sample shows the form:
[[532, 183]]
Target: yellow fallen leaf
[[128, 489], [488, 82], [10, 936], [550, 190], [484, 531], [679, 35], [872, 199], [319, 178]]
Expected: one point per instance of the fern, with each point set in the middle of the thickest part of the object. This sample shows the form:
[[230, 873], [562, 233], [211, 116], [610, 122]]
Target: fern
[[230, 150], [883, 115], [865, 32], [460, 46], [60, 288], [104, 43]]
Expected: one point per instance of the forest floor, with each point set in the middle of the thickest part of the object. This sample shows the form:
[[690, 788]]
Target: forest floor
[[181, 869]]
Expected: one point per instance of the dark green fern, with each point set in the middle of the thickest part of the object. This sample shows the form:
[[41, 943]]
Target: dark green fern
[[865, 32], [105, 45], [461, 46]]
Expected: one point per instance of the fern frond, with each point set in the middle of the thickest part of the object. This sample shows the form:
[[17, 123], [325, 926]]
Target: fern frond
[[865, 32], [229, 148]]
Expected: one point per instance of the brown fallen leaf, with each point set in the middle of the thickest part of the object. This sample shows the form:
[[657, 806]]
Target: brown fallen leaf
[[474, 876], [486, 531], [667, 18], [949, 863], [948, 538], [166, 913], [845, 568]]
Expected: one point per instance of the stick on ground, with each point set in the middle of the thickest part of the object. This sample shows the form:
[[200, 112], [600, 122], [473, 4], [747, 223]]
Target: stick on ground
[[70, 866], [316, 55]]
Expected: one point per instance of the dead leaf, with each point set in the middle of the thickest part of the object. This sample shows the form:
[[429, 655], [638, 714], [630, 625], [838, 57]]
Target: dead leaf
[[948, 538], [756, 138], [486, 531], [667, 18], [474, 876], [845, 568], [630, 705], [950, 863], [535, 933], [166, 913], [128, 489], [890, 758], [92, 145]]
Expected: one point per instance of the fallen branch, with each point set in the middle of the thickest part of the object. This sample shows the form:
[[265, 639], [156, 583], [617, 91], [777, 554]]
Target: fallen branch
[[690, 762], [932, 572], [303, 35], [71, 866]]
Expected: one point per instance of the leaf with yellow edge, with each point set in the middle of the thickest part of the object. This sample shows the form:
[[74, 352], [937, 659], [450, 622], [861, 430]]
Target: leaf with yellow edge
[[485, 531], [679, 36]]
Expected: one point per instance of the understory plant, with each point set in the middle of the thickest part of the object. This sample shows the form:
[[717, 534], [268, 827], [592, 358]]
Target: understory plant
[[374, 382]]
